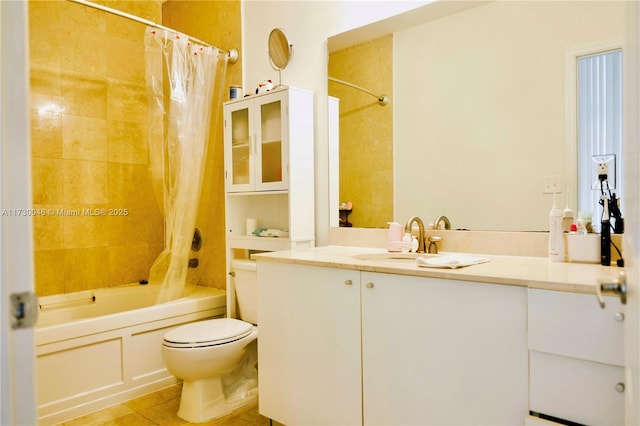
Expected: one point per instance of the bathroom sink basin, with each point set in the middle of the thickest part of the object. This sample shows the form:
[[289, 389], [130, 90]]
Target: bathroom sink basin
[[391, 256]]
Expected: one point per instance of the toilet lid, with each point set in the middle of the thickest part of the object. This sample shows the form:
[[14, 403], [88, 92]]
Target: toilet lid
[[207, 333]]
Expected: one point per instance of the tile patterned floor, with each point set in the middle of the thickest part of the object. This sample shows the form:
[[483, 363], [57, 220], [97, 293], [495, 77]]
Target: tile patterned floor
[[161, 408]]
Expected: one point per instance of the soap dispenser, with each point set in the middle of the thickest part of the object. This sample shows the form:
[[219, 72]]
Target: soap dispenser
[[556, 239]]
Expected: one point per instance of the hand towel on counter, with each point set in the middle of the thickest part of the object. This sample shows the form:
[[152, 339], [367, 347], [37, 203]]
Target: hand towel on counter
[[452, 261]]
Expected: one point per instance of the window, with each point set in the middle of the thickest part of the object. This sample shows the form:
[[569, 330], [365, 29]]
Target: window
[[599, 127]]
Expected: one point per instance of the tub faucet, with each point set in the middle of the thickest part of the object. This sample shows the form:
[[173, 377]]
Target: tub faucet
[[447, 223], [408, 227]]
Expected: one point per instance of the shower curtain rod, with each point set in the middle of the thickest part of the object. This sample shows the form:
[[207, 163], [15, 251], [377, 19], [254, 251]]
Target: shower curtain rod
[[232, 53], [382, 99]]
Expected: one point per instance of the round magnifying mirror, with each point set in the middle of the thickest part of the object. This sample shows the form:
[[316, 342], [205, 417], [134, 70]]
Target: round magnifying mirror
[[280, 50]]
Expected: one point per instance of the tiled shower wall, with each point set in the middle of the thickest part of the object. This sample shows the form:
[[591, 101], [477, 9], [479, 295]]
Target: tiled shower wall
[[99, 223]]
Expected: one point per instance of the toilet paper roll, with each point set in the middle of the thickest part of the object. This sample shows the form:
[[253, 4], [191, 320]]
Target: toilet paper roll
[[251, 226]]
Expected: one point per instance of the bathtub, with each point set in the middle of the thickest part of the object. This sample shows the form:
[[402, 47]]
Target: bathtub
[[98, 348]]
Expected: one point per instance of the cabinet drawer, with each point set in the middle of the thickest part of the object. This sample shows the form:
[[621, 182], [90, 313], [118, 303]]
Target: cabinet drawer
[[574, 325], [576, 390]]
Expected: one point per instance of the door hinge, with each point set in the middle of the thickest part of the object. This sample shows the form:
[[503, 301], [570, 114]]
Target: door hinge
[[24, 310]]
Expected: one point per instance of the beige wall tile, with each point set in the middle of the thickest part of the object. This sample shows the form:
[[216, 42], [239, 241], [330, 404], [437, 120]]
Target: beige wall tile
[[86, 268], [85, 226], [84, 138], [47, 181], [84, 182], [126, 102], [129, 186], [128, 263], [130, 229], [46, 131], [49, 272], [126, 59], [48, 229], [127, 143], [44, 34], [45, 89], [83, 95], [86, 55], [73, 76]]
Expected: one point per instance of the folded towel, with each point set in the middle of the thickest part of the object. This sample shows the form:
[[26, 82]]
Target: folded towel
[[452, 261], [268, 232]]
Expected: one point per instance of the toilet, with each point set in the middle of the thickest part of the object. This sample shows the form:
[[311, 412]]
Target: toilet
[[217, 358]]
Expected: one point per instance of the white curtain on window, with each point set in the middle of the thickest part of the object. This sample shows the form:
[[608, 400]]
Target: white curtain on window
[[181, 87], [599, 126]]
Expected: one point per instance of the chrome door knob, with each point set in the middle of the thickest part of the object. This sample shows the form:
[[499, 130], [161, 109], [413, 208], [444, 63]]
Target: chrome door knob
[[619, 287], [620, 387]]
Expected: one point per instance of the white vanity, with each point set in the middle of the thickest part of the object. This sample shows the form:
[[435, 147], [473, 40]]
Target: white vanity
[[350, 340]]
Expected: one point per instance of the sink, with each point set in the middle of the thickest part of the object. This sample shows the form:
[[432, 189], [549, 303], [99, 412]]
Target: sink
[[391, 256]]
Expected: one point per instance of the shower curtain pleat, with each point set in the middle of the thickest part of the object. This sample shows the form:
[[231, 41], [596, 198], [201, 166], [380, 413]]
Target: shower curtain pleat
[[181, 78]]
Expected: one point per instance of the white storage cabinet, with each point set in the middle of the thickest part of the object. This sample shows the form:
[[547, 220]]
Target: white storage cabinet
[[343, 347], [576, 352], [269, 173]]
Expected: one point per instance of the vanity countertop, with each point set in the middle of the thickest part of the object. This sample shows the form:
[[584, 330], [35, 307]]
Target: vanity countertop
[[533, 272]]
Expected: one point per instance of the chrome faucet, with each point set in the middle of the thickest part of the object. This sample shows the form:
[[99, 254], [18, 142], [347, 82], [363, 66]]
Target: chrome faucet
[[409, 226], [436, 223]]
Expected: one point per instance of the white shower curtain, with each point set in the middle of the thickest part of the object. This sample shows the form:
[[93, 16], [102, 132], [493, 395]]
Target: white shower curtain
[[181, 81]]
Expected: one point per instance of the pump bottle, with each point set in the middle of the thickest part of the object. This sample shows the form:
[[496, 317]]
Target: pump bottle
[[556, 239]]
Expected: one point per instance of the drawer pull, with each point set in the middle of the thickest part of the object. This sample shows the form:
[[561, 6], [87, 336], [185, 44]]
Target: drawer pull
[[370, 285], [348, 282], [619, 287], [620, 387], [619, 317]]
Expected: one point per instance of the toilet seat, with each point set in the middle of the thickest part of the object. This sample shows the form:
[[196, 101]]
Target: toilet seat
[[207, 333]]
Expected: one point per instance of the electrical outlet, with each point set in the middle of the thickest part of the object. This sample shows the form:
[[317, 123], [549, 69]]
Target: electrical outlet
[[604, 169], [551, 185]]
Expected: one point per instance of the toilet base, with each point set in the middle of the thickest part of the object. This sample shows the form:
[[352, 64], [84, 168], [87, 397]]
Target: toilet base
[[203, 400]]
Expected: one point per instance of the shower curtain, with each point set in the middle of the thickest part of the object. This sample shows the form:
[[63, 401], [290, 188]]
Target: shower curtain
[[183, 90]]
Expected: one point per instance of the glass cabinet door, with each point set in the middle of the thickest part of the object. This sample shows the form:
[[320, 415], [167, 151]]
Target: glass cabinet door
[[239, 173], [271, 146], [256, 144]]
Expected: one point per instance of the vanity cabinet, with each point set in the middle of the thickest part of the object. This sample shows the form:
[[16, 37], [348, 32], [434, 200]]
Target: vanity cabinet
[[576, 352], [347, 347]]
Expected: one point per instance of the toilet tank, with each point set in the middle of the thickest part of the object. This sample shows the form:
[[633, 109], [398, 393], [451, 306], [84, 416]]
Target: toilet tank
[[245, 282]]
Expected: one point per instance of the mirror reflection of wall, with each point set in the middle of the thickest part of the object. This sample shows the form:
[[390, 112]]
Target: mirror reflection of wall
[[366, 130], [480, 111]]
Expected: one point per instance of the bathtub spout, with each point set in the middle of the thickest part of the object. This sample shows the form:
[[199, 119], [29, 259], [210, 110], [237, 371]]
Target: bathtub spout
[[193, 263]]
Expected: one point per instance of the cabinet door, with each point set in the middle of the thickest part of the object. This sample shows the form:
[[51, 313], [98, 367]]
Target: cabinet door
[[239, 146], [271, 141], [309, 344], [443, 352]]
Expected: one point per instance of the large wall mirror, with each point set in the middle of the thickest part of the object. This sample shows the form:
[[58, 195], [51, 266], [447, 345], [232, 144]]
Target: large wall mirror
[[480, 111]]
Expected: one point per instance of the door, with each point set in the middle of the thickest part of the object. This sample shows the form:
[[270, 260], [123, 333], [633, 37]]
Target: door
[[309, 344], [632, 232], [442, 351], [239, 146], [271, 151], [18, 405]]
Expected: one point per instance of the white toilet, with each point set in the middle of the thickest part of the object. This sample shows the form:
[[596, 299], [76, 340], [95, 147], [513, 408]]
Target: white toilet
[[216, 359]]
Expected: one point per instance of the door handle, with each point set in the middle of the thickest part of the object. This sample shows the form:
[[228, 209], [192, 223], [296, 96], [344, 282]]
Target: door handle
[[618, 287]]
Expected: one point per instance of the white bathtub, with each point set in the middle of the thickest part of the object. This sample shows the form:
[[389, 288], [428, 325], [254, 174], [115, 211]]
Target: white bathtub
[[97, 348]]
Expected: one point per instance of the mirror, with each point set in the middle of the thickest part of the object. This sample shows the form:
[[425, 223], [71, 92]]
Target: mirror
[[481, 111], [280, 50]]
